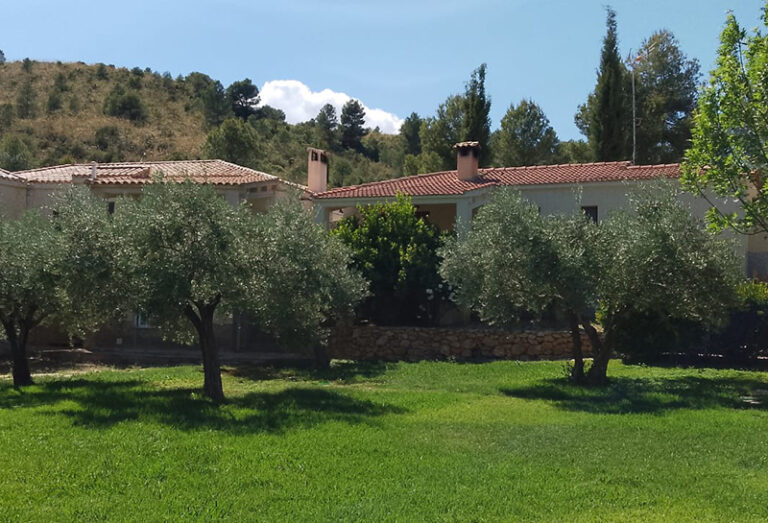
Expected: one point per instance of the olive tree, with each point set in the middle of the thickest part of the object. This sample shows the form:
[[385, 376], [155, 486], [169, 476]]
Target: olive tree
[[654, 256], [514, 261], [30, 258], [56, 271], [662, 264], [190, 256]]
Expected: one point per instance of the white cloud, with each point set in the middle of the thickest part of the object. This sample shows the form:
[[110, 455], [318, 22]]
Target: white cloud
[[300, 104]]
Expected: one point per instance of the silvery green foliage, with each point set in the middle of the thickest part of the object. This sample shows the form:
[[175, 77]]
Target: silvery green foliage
[[661, 259], [515, 261], [60, 270], [30, 271], [182, 246], [186, 248], [653, 256], [301, 275], [92, 290]]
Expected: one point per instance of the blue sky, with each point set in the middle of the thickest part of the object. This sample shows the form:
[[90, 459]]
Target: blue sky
[[397, 56]]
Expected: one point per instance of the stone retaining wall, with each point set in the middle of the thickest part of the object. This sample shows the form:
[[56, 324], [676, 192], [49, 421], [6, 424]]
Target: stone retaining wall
[[424, 343]]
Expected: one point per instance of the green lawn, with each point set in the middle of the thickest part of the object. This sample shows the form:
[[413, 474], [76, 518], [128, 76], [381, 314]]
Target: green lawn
[[400, 442]]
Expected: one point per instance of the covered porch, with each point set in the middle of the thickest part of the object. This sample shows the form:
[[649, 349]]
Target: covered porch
[[444, 212]]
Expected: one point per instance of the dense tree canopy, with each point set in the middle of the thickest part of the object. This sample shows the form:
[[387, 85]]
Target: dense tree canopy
[[234, 141], [640, 261], [665, 83], [728, 155], [409, 132], [14, 153], [30, 256], [58, 272], [327, 126], [243, 97], [396, 251], [525, 137]]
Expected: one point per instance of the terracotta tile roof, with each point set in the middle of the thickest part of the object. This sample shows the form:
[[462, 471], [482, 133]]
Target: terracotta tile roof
[[6, 175], [215, 172], [446, 183]]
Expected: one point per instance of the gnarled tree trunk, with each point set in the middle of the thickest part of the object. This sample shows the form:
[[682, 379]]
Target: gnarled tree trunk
[[203, 322], [601, 350]]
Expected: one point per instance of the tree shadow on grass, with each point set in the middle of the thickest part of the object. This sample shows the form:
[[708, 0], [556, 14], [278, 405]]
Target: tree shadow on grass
[[340, 371], [101, 404], [649, 395]]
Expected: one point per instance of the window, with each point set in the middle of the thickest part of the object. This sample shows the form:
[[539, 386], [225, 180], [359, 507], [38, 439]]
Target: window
[[590, 211], [111, 207], [142, 322]]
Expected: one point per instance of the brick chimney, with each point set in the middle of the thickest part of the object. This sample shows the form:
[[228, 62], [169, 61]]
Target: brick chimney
[[467, 154], [317, 170]]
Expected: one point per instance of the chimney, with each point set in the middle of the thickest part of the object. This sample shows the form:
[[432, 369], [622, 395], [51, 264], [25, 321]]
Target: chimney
[[467, 154], [93, 172], [317, 170]]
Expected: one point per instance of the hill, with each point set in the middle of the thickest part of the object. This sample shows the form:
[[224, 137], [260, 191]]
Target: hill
[[57, 113]]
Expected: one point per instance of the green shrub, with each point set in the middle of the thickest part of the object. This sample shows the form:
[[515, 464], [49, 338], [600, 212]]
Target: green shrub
[[396, 251], [124, 104]]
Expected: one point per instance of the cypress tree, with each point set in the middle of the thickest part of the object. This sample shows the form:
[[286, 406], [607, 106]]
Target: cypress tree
[[609, 121], [476, 124]]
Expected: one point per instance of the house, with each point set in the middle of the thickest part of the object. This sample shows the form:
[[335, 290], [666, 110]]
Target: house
[[452, 198], [35, 187]]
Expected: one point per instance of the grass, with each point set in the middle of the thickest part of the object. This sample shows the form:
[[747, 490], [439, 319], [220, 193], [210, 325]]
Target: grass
[[400, 442]]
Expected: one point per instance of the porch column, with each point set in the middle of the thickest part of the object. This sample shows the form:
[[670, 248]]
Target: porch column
[[463, 215], [322, 214]]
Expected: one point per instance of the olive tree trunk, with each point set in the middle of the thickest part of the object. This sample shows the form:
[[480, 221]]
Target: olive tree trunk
[[17, 339], [203, 322], [601, 350]]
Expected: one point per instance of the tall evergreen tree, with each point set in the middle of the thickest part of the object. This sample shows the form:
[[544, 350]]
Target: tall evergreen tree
[[440, 133], [26, 101], [327, 126], [216, 107], [605, 116], [352, 125], [666, 81], [476, 121], [525, 137], [409, 132]]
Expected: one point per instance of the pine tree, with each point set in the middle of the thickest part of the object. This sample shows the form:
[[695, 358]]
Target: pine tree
[[525, 137], [352, 125], [666, 81], [327, 126], [243, 97], [409, 132], [26, 101]]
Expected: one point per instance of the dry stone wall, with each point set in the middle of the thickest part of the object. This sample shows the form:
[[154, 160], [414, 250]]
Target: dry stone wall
[[423, 343]]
